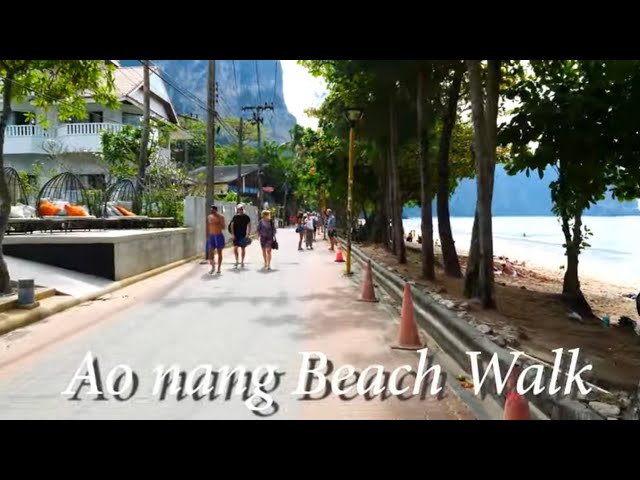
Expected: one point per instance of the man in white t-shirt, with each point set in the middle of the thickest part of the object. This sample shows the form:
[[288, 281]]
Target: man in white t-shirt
[[308, 231]]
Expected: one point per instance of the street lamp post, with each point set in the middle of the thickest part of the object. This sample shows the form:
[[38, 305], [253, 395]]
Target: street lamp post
[[354, 115]]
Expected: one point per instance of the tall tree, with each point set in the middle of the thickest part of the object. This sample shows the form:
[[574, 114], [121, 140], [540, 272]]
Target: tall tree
[[583, 116], [62, 84], [424, 109], [484, 105], [449, 254]]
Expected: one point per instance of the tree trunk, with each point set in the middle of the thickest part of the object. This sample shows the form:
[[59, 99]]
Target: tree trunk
[[398, 230], [143, 159], [571, 291], [472, 274], [384, 203], [426, 194], [449, 254], [5, 198], [391, 205], [485, 132]]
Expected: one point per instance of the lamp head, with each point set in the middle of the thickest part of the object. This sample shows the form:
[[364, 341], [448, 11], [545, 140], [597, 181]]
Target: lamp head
[[354, 114]]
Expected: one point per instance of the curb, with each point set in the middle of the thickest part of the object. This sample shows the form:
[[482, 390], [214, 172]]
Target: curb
[[456, 337], [39, 313]]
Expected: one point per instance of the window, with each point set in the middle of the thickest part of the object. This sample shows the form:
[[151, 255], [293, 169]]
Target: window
[[19, 118], [95, 117], [131, 119], [93, 181]]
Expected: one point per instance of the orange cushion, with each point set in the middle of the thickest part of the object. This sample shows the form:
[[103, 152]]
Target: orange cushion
[[75, 211], [48, 209], [125, 212]]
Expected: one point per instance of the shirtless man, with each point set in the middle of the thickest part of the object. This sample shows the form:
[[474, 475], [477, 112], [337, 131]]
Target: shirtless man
[[215, 241]]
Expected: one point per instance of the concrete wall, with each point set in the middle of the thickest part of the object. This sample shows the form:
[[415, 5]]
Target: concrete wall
[[195, 217], [141, 254]]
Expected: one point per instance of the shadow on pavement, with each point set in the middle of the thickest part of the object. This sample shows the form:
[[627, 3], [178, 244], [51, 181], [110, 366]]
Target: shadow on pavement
[[279, 320], [210, 276]]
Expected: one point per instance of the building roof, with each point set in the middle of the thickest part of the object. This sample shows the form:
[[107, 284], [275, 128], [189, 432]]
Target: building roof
[[224, 173], [129, 80]]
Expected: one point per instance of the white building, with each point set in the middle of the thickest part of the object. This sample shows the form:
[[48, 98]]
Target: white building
[[74, 146]]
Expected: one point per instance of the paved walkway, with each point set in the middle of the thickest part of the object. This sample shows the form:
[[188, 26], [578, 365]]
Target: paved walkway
[[243, 317], [65, 281]]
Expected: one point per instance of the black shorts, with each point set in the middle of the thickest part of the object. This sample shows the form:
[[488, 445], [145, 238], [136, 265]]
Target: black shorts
[[241, 241], [331, 233]]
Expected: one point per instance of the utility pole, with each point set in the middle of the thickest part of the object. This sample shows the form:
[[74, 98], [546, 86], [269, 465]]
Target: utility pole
[[143, 159], [257, 119], [240, 140], [211, 139]]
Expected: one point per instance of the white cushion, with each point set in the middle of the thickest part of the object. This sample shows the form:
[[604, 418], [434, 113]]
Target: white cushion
[[29, 212], [17, 211]]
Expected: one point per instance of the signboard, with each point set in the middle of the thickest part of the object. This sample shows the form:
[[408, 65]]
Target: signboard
[[247, 190]]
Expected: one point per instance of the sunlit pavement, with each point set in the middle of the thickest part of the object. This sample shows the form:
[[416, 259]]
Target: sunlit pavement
[[244, 317]]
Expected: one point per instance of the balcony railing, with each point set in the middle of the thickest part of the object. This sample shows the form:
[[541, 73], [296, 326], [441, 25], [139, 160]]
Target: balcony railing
[[88, 128], [69, 129], [26, 131]]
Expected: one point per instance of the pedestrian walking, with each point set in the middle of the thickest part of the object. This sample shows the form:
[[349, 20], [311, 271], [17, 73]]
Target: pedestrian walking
[[215, 239], [240, 229], [309, 231], [300, 229], [331, 229], [267, 234]]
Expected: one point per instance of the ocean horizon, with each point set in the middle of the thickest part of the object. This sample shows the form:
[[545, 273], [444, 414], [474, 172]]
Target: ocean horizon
[[613, 256]]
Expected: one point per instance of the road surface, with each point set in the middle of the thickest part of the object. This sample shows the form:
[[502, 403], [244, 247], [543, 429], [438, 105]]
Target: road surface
[[199, 323]]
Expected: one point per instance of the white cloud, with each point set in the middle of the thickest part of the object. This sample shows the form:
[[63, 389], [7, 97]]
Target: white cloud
[[301, 91]]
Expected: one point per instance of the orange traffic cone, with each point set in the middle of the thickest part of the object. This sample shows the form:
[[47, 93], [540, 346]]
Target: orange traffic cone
[[339, 257], [409, 337], [516, 407], [368, 293]]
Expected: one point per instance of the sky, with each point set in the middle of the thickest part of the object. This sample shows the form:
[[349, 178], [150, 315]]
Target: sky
[[301, 91]]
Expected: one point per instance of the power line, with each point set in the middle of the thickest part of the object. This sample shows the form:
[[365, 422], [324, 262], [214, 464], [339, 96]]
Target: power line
[[235, 77], [195, 100], [258, 78], [257, 120]]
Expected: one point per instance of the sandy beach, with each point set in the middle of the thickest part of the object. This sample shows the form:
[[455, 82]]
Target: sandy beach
[[528, 301]]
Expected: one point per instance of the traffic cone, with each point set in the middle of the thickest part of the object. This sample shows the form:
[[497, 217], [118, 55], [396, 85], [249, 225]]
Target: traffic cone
[[516, 407], [339, 257], [368, 293], [409, 337]]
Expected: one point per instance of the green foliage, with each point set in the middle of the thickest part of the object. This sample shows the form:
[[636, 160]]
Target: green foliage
[[63, 83], [229, 197], [164, 191], [121, 149], [579, 116], [93, 200], [32, 179]]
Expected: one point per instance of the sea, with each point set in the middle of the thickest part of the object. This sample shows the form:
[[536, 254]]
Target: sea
[[613, 257]]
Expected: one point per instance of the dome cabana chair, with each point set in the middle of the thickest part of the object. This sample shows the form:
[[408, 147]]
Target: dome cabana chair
[[63, 202], [22, 217], [16, 187], [121, 208]]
